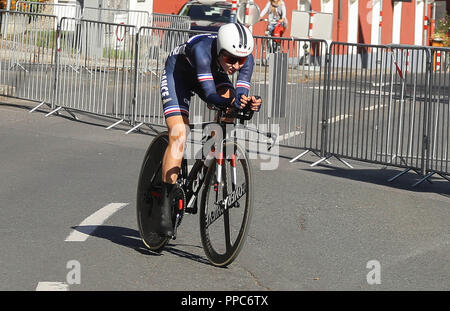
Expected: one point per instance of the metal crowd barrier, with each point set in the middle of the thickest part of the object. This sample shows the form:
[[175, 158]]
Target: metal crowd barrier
[[170, 21], [386, 105], [27, 55], [118, 16], [377, 97], [379, 104], [95, 69], [302, 77], [290, 75], [154, 46], [137, 18], [60, 10], [438, 153]]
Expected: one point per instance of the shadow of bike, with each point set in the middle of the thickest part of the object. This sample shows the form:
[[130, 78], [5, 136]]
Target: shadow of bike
[[130, 238]]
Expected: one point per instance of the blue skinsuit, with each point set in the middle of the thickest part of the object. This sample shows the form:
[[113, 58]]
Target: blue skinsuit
[[193, 67]]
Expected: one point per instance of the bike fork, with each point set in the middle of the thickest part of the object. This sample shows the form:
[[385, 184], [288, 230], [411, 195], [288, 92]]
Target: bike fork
[[234, 174], [219, 161], [233, 160]]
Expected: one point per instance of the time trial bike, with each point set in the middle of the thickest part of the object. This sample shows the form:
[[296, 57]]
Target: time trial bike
[[224, 174]]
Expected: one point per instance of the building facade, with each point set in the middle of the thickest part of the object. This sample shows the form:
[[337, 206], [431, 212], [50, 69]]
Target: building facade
[[358, 21]]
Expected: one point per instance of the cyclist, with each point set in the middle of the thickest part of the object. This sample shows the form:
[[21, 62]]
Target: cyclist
[[277, 13], [201, 65]]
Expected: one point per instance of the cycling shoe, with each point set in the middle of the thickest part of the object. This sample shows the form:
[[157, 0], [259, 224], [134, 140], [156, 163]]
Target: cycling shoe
[[165, 225]]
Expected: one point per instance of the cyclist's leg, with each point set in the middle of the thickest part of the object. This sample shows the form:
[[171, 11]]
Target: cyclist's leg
[[170, 168], [175, 97], [177, 126], [285, 26], [270, 28]]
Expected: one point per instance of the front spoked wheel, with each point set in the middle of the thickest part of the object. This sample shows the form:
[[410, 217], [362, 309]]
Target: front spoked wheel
[[226, 207]]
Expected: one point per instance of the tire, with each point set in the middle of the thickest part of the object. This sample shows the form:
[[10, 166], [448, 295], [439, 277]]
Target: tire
[[149, 192], [222, 243]]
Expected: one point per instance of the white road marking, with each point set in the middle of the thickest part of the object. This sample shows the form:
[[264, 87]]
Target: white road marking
[[322, 87], [330, 121], [93, 221], [267, 83], [370, 108], [339, 118], [373, 92], [51, 286], [289, 135]]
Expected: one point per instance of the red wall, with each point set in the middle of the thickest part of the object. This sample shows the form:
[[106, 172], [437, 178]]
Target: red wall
[[364, 27], [386, 29], [340, 29], [408, 20], [173, 6], [315, 5], [167, 6]]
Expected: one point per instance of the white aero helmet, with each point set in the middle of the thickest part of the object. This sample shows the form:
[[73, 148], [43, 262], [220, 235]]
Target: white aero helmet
[[236, 39]]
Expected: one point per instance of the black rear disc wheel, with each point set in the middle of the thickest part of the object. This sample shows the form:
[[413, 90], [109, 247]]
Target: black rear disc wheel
[[149, 193]]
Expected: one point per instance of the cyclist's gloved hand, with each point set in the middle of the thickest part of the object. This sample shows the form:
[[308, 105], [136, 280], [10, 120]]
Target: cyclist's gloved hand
[[240, 102], [252, 102], [255, 103]]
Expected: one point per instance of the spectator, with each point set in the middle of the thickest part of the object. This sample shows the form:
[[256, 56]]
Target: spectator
[[276, 10]]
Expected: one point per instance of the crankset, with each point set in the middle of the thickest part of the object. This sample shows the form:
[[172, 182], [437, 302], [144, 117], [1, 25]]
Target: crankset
[[178, 197]]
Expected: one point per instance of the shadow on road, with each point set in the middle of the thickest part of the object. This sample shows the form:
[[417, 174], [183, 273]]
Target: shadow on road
[[131, 238], [171, 249], [118, 235], [89, 119], [436, 185]]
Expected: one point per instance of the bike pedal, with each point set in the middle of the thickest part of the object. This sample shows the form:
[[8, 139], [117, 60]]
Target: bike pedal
[[177, 220]]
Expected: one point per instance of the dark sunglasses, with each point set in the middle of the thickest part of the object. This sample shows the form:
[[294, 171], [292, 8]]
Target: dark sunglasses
[[229, 59]]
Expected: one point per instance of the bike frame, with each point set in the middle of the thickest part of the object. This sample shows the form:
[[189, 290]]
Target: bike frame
[[205, 163]]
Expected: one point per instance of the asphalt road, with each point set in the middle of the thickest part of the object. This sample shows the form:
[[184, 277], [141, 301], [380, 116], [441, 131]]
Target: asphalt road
[[318, 228]]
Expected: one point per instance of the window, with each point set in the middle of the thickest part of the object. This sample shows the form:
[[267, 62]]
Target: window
[[208, 13]]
